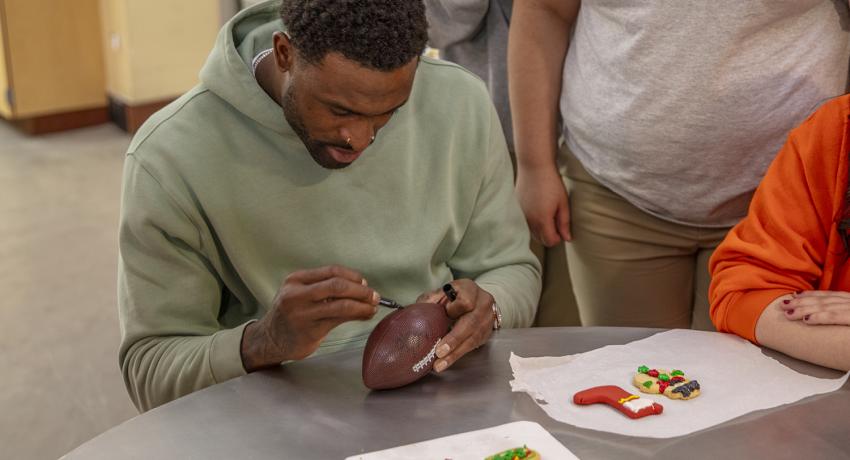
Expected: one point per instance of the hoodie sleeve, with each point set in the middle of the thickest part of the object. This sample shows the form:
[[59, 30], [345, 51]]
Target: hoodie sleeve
[[495, 249], [783, 244], [168, 299]]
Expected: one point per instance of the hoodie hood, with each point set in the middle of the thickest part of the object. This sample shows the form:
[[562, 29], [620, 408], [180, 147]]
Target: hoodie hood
[[227, 71]]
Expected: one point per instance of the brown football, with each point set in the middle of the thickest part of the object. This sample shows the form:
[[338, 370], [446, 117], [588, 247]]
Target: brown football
[[400, 349]]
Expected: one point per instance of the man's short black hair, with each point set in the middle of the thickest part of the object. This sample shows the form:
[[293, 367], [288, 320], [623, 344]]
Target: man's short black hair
[[380, 34]]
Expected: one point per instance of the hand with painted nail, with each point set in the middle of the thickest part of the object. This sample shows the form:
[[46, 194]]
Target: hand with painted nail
[[308, 305], [818, 307], [472, 312]]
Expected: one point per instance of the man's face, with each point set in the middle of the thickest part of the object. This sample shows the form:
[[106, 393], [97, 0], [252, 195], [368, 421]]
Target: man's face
[[337, 106]]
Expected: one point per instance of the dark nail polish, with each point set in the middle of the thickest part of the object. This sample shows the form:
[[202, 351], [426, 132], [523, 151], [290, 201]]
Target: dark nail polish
[[806, 318], [789, 312], [786, 301]]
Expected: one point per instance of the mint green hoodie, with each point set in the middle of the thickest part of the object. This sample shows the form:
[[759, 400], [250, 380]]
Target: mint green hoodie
[[221, 201]]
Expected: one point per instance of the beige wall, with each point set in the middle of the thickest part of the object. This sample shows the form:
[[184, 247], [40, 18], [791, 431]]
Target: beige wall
[[155, 48], [114, 41]]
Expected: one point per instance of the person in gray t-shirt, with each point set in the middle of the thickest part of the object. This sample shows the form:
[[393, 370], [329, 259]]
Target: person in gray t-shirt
[[671, 111], [474, 34]]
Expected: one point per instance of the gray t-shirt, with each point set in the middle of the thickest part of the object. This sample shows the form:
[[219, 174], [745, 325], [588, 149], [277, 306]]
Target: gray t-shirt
[[680, 106]]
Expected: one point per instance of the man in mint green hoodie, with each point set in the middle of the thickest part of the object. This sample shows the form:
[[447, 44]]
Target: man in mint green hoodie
[[249, 234]]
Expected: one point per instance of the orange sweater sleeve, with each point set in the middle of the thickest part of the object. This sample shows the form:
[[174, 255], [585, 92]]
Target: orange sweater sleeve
[[781, 246]]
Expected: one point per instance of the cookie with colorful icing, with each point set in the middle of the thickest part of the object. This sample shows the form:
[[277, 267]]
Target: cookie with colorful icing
[[633, 406], [672, 384], [519, 453]]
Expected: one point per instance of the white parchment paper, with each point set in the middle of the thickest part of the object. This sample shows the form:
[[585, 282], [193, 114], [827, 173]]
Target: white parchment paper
[[477, 445], [735, 379]]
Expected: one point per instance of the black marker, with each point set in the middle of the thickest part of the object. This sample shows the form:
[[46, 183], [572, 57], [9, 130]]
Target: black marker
[[389, 303], [450, 292]]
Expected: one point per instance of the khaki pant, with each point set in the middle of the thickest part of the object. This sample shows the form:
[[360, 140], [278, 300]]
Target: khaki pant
[[629, 268], [557, 305]]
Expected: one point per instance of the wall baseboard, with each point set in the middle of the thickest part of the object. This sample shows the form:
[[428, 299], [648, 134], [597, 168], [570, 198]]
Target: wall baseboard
[[64, 121]]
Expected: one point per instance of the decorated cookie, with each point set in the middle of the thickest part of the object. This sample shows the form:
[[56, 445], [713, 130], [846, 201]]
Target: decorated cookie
[[672, 384], [632, 405], [520, 453]]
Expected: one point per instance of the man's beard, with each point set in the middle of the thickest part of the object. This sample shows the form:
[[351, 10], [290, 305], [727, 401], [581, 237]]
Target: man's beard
[[318, 149]]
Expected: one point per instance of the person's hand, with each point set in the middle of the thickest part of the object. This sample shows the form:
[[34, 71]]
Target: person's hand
[[818, 307], [308, 305], [472, 311], [544, 202]]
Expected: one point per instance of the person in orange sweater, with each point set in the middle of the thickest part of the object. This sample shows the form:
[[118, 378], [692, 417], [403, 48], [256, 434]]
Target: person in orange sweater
[[781, 277]]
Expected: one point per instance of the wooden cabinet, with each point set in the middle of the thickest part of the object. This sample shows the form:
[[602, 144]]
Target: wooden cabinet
[[51, 64]]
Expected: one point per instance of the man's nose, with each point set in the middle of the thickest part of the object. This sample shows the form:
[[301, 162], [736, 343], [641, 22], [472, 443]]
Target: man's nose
[[358, 137]]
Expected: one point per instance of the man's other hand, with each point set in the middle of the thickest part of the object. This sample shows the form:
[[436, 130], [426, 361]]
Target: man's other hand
[[472, 311]]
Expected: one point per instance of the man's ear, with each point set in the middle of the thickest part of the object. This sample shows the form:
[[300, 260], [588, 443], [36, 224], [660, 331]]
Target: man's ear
[[284, 52]]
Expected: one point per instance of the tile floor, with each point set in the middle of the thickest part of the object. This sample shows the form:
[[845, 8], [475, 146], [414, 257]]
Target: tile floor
[[59, 204]]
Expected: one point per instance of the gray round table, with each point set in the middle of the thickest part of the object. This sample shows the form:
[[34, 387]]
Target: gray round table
[[319, 409]]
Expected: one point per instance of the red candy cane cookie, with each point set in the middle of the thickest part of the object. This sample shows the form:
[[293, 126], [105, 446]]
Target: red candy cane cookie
[[632, 405]]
